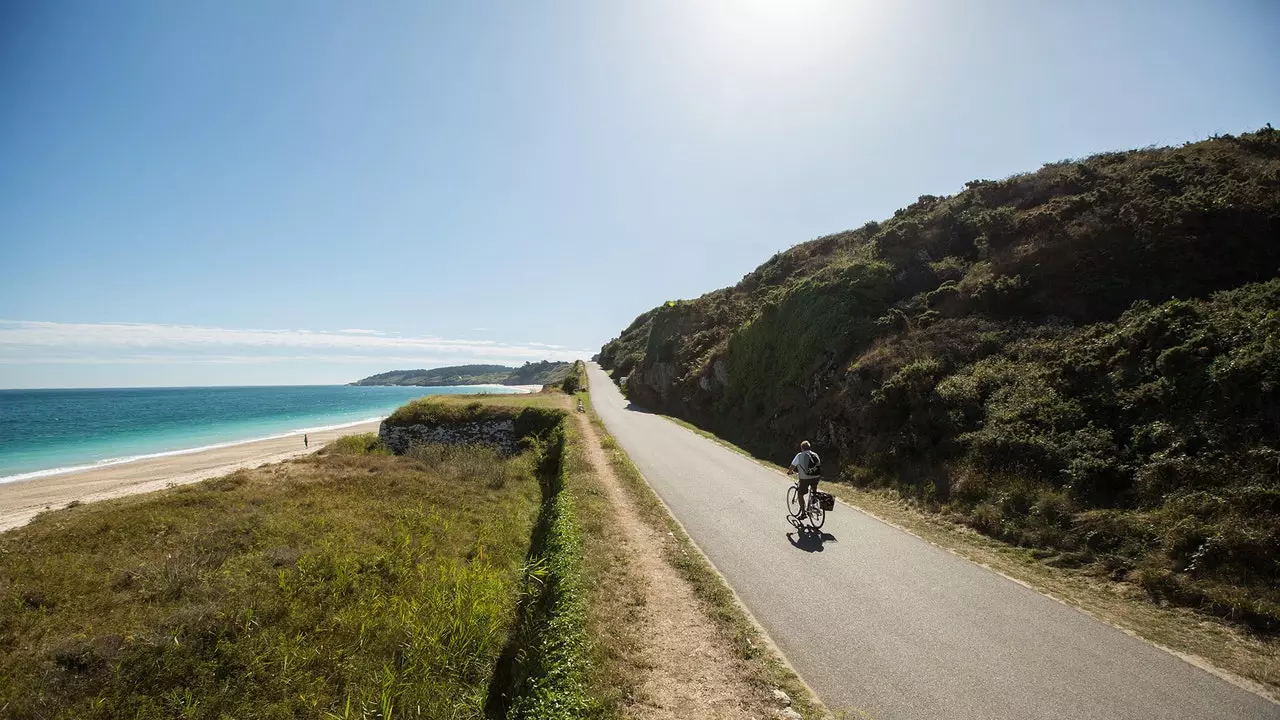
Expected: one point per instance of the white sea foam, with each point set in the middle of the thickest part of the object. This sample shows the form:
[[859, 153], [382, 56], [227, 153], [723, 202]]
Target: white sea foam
[[185, 451]]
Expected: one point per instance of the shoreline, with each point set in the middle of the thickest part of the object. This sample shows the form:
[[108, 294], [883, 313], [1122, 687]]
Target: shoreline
[[112, 462], [31, 475], [22, 500]]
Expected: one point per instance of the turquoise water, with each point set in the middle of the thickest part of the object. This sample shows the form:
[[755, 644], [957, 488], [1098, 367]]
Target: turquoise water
[[43, 432]]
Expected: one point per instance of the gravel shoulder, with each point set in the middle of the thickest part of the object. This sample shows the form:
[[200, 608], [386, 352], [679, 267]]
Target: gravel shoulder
[[679, 664]]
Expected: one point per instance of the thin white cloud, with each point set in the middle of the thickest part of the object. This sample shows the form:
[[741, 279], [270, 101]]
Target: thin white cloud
[[28, 341], [402, 362]]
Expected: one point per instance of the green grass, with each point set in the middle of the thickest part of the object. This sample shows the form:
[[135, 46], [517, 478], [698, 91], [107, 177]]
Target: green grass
[[530, 412], [445, 583], [342, 585], [552, 670], [542, 400], [362, 444]]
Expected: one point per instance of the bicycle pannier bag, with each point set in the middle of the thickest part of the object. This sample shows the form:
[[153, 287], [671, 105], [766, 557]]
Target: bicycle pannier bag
[[826, 501]]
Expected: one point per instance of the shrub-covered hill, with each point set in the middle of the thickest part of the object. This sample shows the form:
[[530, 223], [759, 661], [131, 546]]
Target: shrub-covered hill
[[545, 372], [1085, 358], [445, 376]]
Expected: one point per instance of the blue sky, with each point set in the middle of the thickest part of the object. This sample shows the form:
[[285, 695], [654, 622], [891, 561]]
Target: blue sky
[[251, 192]]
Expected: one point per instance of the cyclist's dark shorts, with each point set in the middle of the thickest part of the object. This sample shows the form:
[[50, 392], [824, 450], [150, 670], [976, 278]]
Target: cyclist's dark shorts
[[808, 485]]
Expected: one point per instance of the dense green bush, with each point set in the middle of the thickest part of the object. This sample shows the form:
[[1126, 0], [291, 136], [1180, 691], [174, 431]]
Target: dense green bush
[[530, 422], [576, 379], [433, 411], [362, 444], [1085, 358], [1170, 417]]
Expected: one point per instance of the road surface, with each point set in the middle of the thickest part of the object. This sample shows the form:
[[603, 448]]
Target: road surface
[[879, 621]]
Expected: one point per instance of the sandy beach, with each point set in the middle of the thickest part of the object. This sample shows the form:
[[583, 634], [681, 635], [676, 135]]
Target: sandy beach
[[24, 499]]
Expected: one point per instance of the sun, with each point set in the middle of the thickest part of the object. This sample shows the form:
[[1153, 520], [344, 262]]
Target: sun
[[771, 43]]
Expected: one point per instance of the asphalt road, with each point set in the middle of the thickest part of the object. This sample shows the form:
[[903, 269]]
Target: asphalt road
[[876, 620]]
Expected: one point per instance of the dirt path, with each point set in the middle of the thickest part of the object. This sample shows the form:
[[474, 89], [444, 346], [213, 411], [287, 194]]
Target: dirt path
[[688, 670]]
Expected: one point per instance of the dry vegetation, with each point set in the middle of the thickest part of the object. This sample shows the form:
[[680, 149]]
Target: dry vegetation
[[1010, 357], [444, 583], [347, 584]]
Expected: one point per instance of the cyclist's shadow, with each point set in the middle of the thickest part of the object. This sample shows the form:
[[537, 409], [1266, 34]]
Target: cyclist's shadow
[[809, 539]]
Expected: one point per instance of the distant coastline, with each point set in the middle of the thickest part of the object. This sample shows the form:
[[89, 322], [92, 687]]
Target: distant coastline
[[45, 433], [530, 374], [110, 462]]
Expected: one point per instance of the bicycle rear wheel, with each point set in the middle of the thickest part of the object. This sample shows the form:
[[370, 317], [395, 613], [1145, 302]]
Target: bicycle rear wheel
[[793, 502], [817, 515]]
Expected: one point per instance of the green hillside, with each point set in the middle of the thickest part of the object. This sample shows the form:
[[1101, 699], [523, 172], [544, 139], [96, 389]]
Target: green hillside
[[437, 377], [539, 373], [1083, 359]]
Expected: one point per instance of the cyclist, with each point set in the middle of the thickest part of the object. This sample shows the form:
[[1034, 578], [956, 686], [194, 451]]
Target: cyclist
[[809, 466]]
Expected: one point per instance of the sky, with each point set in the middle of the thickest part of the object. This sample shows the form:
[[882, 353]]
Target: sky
[[301, 192]]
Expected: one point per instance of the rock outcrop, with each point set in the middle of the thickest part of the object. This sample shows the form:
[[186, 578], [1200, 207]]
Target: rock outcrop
[[496, 433]]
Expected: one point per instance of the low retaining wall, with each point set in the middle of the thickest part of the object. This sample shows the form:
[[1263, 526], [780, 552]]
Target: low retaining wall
[[500, 434]]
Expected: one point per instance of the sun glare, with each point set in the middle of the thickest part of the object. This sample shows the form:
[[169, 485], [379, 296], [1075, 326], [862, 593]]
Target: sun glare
[[793, 25], [748, 48]]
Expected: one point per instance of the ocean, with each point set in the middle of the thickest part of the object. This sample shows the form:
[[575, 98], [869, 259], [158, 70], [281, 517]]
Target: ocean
[[45, 432]]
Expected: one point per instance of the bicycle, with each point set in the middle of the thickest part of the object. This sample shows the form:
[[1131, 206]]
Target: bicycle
[[814, 513]]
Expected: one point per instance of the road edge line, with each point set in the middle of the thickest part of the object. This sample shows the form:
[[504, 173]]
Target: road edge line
[[817, 707], [1203, 664]]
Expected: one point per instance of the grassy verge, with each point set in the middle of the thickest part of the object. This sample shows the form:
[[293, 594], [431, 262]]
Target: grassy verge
[[615, 592], [345, 584], [552, 668], [764, 668], [1248, 656], [551, 653]]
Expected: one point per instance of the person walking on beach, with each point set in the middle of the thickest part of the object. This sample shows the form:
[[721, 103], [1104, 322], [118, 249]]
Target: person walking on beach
[[305, 442]]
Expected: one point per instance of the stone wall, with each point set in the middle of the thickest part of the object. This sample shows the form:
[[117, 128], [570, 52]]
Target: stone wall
[[500, 434]]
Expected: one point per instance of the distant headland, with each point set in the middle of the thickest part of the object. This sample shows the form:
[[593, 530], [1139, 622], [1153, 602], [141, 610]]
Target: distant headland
[[539, 373]]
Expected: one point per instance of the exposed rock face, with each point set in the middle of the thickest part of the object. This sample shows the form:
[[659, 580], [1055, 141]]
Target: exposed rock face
[[500, 434]]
